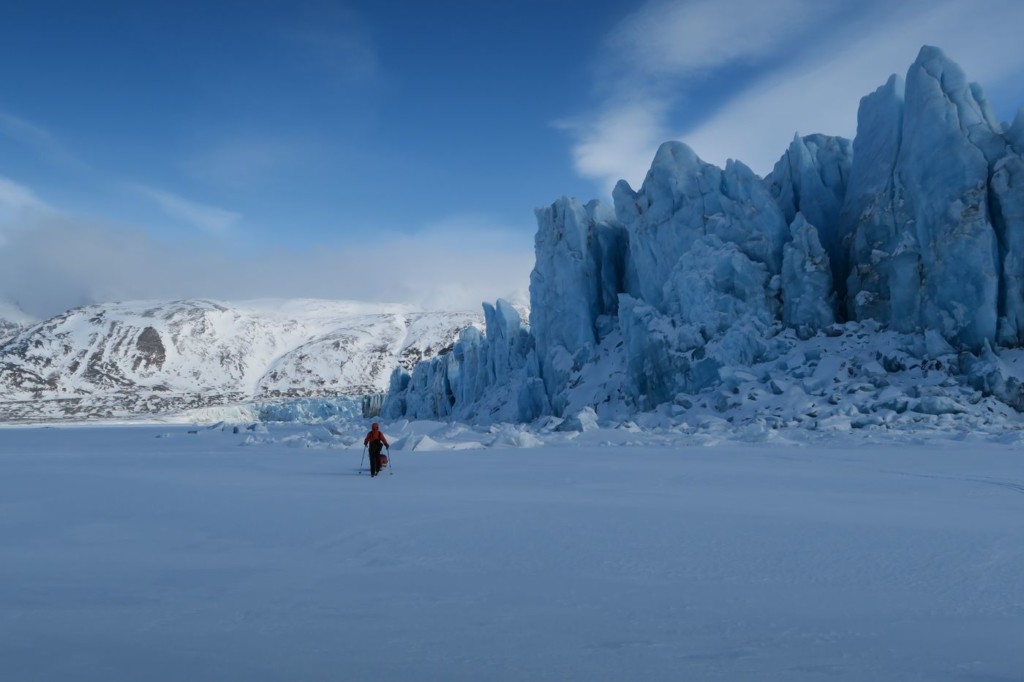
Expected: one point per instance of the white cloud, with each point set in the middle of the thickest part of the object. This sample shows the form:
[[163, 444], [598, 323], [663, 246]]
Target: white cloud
[[41, 140], [663, 55], [18, 202], [821, 94], [246, 160], [339, 40], [657, 50], [16, 197], [20, 208], [66, 261], [450, 265], [676, 38], [618, 142], [210, 218]]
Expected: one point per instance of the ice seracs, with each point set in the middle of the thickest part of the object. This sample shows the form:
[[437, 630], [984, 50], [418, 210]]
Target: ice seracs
[[1007, 203], [808, 297], [868, 213], [933, 218], [942, 176], [811, 179], [683, 199], [581, 261], [481, 376], [703, 284]]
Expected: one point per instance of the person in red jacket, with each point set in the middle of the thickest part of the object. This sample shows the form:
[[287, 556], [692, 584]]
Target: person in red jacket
[[376, 440]]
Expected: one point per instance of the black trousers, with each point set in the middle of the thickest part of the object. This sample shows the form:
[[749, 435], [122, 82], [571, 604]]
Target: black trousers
[[375, 449]]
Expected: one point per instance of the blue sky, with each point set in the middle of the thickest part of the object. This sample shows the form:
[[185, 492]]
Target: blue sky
[[396, 150]]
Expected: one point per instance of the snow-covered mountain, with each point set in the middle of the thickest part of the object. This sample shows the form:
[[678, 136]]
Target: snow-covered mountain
[[12, 320], [8, 329], [126, 359], [872, 281]]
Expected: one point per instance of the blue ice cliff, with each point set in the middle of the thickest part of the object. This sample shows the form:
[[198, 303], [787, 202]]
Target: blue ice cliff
[[704, 278]]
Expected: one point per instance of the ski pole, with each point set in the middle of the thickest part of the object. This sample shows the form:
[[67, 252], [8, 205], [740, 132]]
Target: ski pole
[[391, 464], [361, 461]]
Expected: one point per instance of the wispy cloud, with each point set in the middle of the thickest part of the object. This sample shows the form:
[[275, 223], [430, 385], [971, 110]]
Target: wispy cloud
[[448, 265], [678, 39], [822, 93], [655, 54], [618, 141], [17, 197], [18, 202], [807, 66], [20, 208], [210, 218], [338, 39], [52, 260], [453, 263], [247, 160], [41, 141]]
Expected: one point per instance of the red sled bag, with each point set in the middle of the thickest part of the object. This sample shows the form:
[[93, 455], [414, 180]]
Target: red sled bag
[[383, 460]]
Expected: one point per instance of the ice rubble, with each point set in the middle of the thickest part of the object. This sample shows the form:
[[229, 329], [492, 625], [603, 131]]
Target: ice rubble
[[804, 297]]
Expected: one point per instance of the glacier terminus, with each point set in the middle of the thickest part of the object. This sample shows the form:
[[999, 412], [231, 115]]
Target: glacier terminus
[[711, 288]]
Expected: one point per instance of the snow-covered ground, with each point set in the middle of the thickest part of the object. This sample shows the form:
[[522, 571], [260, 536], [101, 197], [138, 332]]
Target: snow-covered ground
[[188, 553]]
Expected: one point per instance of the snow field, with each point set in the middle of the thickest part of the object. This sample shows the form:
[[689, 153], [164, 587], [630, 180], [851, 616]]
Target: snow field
[[128, 556]]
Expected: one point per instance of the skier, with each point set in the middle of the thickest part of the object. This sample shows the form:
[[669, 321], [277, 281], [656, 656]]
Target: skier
[[376, 440]]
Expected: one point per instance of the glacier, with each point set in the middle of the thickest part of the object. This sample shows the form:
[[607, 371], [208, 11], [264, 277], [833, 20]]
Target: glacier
[[699, 287]]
